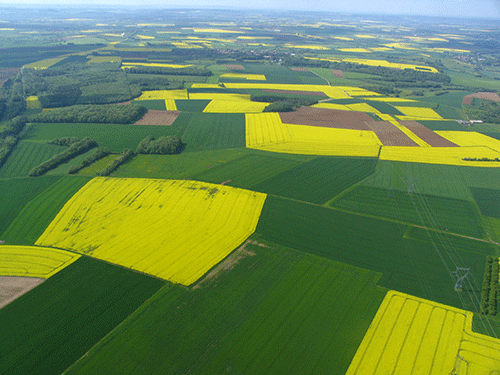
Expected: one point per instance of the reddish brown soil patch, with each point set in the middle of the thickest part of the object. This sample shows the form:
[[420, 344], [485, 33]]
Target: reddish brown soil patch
[[12, 287], [327, 118], [427, 134], [389, 134], [467, 100], [158, 117], [299, 69], [313, 93], [123, 103], [487, 95], [235, 66], [338, 73]]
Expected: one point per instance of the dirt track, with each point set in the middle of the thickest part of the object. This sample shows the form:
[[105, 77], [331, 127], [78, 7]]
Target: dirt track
[[427, 134], [158, 117], [327, 118]]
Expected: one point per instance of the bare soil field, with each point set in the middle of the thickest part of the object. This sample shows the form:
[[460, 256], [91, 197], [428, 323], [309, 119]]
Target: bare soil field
[[299, 69], [427, 134], [235, 66], [327, 118], [124, 103], [467, 100], [338, 73], [158, 117], [313, 93], [493, 96], [12, 287], [389, 134]]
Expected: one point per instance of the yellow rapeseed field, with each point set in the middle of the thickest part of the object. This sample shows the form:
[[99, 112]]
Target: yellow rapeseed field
[[159, 65], [305, 46], [163, 94], [362, 107], [441, 155], [360, 50], [44, 64], [170, 105], [393, 100], [410, 335], [237, 106], [249, 77], [470, 139], [379, 63], [419, 112], [145, 37], [33, 261], [175, 230], [266, 131], [32, 102]]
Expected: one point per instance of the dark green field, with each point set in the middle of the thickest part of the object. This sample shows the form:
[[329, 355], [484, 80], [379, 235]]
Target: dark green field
[[488, 178], [488, 201], [443, 125], [152, 104], [318, 180], [115, 137], [191, 105], [50, 327], [456, 216], [26, 156], [32, 220], [414, 267], [16, 193], [254, 319], [384, 107]]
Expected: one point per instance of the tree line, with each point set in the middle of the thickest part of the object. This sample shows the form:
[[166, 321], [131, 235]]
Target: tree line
[[282, 103], [98, 154], [170, 144], [490, 290], [9, 136]]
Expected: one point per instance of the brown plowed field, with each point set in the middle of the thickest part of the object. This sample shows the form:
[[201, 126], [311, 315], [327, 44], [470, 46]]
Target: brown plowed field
[[338, 73], [487, 95], [158, 117], [327, 118], [313, 93], [124, 103], [467, 100], [235, 66], [389, 134], [299, 69], [427, 135], [12, 287]]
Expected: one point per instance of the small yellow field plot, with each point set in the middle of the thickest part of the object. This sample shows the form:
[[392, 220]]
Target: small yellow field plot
[[175, 230], [393, 100], [254, 37], [362, 107], [220, 31], [441, 155], [248, 77], [364, 36], [400, 46], [44, 64], [266, 131], [32, 102], [380, 49], [33, 261], [103, 59], [470, 139], [163, 94], [143, 37], [413, 336], [357, 91], [170, 105], [220, 96], [239, 106], [341, 107], [419, 112], [126, 65], [359, 50], [307, 47], [342, 38]]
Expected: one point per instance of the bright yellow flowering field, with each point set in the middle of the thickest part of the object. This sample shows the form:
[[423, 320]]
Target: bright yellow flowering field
[[159, 65], [410, 335], [175, 230], [238, 106], [419, 112], [470, 139], [170, 105], [44, 64], [265, 131], [441, 155], [250, 77], [33, 261], [163, 94], [220, 96], [32, 102]]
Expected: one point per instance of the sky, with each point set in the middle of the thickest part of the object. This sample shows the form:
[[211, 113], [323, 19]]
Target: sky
[[453, 8]]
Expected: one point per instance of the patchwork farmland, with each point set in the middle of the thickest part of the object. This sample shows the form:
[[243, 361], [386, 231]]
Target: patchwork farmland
[[248, 193]]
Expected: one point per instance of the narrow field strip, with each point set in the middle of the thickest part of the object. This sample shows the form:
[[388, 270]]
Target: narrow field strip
[[410, 335], [175, 230], [33, 261], [238, 106], [405, 130], [163, 94]]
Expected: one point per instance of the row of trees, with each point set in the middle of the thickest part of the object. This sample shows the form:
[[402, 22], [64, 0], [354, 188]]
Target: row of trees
[[126, 155], [98, 154], [487, 111], [171, 144], [490, 291], [480, 159], [282, 103], [12, 95], [72, 151], [9, 136], [115, 114], [66, 141]]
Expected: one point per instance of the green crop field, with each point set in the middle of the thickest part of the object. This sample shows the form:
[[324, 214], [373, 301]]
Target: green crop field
[[209, 131], [254, 319], [32, 220], [26, 156], [16, 193], [443, 125], [488, 178], [409, 266], [115, 137], [454, 215], [429, 179], [191, 105], [384, 107], [49, 328], [152, 104], [318, 180], [488, 201]]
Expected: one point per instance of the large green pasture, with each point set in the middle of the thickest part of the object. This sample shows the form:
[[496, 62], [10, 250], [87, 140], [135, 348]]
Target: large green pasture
[[274, 311], [443, 125], [488, 178], [26, 156], [279, 74], [417, 267], [410, 206], [488, 201], [113, 136], [37, 214], [16, 193], [50, 327], [318, 180]]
